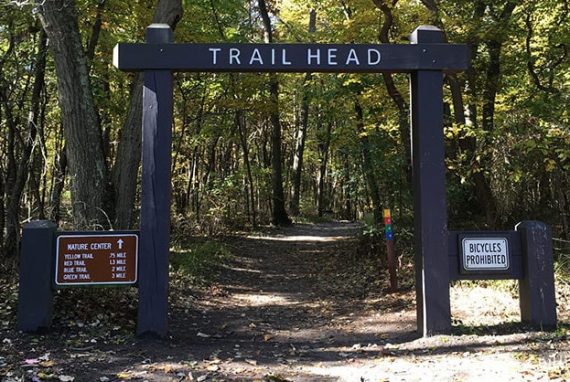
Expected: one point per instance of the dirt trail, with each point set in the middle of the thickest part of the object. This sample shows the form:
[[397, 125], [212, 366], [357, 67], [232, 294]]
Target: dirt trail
[[292, 300], [283, 301], [303, 303]]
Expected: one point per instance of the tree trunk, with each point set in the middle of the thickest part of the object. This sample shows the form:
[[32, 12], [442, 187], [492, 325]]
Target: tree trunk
[[60, 170], [279, 214], [393, 92], [368, 164], [324, 144], [14, 201], [348, 210], [240, 121], [301, 133], [125, 169], [87, 162], [2, 209], [492, 82], [95, 31]]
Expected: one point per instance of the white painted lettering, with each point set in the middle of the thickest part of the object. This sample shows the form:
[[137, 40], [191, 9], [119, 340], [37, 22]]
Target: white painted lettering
[[256, 56], [234, 56], [76, 246], [352, 57], [374, 52], [316, 55], [284, 57], [214, 55], [332, 56], [98, 246], [272, 56]]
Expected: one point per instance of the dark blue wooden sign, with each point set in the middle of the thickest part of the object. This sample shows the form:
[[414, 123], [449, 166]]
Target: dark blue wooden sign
[[370, 58]]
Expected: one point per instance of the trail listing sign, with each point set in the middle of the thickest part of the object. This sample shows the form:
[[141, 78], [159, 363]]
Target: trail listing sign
[[96, 259], [485, 254]]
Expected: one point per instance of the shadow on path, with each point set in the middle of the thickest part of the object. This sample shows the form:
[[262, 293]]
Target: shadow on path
[[296, 296]]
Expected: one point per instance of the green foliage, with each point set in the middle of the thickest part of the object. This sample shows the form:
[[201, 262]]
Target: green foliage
[[523, 157], [199, 261]]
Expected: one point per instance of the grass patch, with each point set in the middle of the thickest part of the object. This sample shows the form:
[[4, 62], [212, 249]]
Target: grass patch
[[199, 261], [312, 219]]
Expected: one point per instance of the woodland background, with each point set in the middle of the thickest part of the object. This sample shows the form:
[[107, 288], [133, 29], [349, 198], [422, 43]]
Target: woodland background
[[251, 149]]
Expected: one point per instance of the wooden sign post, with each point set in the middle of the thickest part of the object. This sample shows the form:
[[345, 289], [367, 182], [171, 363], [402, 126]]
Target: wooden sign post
[[155, 194], [389, 234], [426, 58]]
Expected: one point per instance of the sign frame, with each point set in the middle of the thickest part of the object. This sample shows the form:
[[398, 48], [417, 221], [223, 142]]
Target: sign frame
[[115, 234], [465, 270]]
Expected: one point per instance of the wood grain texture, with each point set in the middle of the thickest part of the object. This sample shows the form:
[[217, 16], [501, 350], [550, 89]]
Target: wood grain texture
[[430, 207], [36, 276], [155, 199], [537, 296]]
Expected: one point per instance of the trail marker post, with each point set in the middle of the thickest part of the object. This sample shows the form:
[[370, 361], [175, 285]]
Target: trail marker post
[[389, 234]]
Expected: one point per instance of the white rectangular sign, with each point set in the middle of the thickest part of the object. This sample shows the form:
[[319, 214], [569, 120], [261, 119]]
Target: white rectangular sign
[[485, 254]]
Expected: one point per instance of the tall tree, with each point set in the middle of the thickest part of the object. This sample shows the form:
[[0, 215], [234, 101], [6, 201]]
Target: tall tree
[[368, 163], [403, 108], [279, 213], [125, 169], [302, 131], [87, 163], [23, 168]]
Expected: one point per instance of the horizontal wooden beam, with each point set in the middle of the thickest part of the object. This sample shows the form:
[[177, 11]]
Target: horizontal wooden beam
[[332, 58]]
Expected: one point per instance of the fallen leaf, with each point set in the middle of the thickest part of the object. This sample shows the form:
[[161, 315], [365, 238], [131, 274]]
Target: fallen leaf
[[267, 337], [124, 375], [43, 376], [66, 378], [203, 335]]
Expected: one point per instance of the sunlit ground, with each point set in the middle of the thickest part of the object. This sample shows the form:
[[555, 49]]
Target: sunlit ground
[[301, 238]]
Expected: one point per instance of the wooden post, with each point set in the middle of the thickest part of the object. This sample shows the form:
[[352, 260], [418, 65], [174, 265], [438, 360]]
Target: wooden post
[[536, 288], [430, 207], [155, 198], [36, 272], [390, 250]]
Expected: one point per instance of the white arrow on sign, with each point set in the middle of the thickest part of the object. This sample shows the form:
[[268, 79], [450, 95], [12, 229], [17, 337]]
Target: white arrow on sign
[[120, 242]]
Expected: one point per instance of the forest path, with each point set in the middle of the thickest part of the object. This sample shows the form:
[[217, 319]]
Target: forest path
[[298, 298], [309, 303]]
